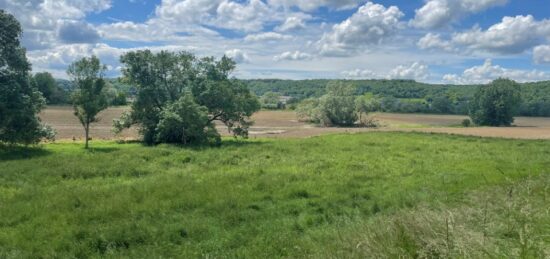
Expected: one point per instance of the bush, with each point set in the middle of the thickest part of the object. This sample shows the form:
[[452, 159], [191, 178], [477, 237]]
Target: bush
[[466, 123]]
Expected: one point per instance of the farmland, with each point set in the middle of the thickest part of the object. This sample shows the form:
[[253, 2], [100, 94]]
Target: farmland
[[284, 124], [380, 194]]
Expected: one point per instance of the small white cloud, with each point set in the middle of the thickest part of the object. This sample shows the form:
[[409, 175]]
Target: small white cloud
[[488, 72], [434, 41], [267, 36], [291, 24], [238, 55], [360, 74], [312, 5], [541, 54], [296, 55], [415, 71]]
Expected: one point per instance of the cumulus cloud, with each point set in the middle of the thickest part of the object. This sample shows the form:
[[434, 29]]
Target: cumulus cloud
[[238, 55], [414, 71], [41, 18], [434, 41], [488, 72], [296, 55], [77, 32], [511, 36], [360, 74], [370, 25], [291, 24], [267, 36], [541, 54], [439, 13], [312, 5]]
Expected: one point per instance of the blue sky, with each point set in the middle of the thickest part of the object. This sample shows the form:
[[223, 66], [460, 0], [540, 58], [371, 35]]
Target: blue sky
[[437, 41]]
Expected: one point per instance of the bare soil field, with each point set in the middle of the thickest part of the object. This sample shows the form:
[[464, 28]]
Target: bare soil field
[[285, 124]]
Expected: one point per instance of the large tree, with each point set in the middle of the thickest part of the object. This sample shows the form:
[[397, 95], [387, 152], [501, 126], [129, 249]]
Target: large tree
[[496, 104], [180, 91], [20, 101], [89, 97]]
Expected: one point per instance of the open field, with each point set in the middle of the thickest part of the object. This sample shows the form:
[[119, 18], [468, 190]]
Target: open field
[[283, 124], [381, 195]]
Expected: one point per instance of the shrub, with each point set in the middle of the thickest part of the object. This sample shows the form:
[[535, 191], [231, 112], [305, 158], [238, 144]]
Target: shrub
[[466, 123]]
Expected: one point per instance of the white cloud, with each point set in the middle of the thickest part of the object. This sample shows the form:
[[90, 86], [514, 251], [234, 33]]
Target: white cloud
[[296, 55], [291, 23], [360, 74], [370, 25], [267, 36], [238, 55], [488, 72], [541, 54], [434, 41], [416, 71], [312, 5], [439, 13], [511, 36]]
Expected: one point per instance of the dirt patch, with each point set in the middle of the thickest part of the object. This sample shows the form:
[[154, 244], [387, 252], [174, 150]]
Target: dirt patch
[[285, 124]]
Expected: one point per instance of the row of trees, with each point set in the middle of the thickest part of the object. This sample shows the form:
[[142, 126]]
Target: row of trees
[[179, 97], [494, 104]]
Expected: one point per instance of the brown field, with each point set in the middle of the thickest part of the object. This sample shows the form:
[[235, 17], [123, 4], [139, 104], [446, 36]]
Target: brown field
[[284, 124]]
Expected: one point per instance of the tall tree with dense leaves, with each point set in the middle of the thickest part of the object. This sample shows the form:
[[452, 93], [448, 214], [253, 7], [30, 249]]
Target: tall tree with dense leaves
[[181, 92], [496, 104], [88, 97], [20, 101]]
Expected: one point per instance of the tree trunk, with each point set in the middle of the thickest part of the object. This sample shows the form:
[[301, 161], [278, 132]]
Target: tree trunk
[[87, 130]]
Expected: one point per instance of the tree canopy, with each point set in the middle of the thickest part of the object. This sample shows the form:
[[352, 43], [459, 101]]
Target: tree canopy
[[20, 101], [186, 94], [89, 97], [496, 104]]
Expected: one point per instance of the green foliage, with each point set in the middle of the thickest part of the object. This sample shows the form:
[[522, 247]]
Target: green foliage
[[337, 107], [47, 85], [271, 100], [169, 76], [185, 121], [89, 97], [407, 96], [496, 104], [383, 195], [20, 101], [466, 123]]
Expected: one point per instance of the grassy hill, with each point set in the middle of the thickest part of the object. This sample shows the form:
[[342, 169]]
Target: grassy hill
[[350, 196]]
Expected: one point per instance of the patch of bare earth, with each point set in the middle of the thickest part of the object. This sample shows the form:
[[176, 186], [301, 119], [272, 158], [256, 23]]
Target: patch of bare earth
[[285, 124]]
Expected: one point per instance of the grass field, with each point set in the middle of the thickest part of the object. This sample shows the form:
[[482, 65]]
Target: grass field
[[285, 124], [381, 195]]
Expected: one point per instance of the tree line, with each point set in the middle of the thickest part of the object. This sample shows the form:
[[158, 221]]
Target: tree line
[[407, 96], [178, 96], [494, 104]]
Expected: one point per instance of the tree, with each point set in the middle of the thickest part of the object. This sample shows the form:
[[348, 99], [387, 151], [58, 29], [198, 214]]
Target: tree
[[338, 105], [271, 100], [20, 101], [89, 96], [496, 104], [442, 104], [174, 87], [47, 85]]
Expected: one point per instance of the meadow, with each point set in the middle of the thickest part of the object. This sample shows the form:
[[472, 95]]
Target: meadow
[[377, 194]]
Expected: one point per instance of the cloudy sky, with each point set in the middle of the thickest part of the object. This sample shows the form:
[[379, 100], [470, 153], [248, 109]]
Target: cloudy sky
[[438, 41]]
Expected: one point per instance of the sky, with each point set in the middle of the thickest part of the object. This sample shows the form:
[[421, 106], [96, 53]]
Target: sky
[[434, 41]]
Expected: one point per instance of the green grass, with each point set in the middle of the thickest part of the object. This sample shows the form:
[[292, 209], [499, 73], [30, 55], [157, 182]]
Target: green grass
[[362, 195]]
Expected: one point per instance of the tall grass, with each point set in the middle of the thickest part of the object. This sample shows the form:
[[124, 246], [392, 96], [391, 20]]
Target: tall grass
[[363, 195]]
